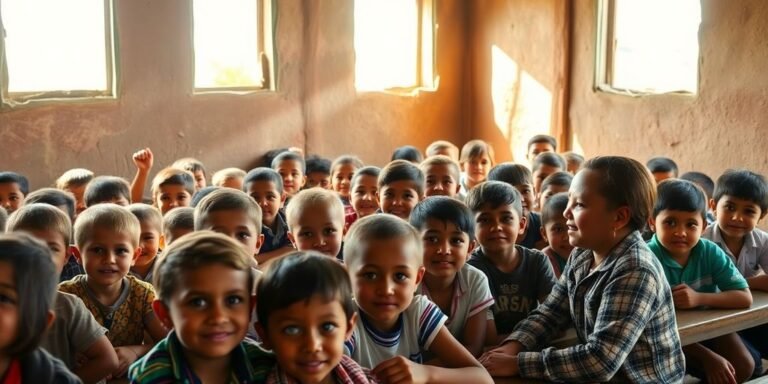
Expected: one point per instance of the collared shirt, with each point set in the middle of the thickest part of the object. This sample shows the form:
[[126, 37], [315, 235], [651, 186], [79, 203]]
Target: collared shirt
[[754, 252], [165, 363], [624, 317], [277, 239], [347, 372]]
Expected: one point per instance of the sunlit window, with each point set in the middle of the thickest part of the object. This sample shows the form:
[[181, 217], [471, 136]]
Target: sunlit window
[[393, 44], [649, 46]]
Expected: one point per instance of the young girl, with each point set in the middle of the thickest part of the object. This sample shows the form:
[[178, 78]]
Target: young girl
[[342, 170], [476, 160], [614, 290], [27, 289]]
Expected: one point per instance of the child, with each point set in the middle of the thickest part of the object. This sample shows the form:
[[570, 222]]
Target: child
[[700, 274], [613, 290], [518, 176], [401, 186], [177, 223], [540, 144], [316, 222], [229, 177], [445, 148], [74, 330], [13, 188], [208, 317], [442, 176], [318, 172], [234, 214], [554, 230], [707, 184], [555, 183], [476, 160], [384, 260], [306, 313], [460, 290], [150, 240], [143, 159], [545, 164], [574, 162], [172, 188], [266, 187], [196, 168], [291, 167], [74, 181], [407, 153], [365, 200], [519, 277], [662, 168], [342, 170], [27, 289], [107, 189], [200, 194], [107, 238]]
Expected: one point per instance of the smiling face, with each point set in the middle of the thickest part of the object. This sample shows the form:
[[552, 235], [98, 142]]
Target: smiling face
[[107, 256], [590, 220], [446, 248], [11, 196], [149, 243], [341, 179], [269, 199], [497, 228], [170, 196], [678, 231], [364, 199], [318, 228], [477, 168], [398, 198], [440, 181], [527, 195], [736, 217], [292, 174]]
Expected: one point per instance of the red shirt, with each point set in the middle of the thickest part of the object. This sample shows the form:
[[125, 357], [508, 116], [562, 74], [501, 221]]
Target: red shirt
[[13, 374]]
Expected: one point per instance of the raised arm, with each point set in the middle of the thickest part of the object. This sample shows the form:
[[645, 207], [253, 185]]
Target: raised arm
[[143, 159]]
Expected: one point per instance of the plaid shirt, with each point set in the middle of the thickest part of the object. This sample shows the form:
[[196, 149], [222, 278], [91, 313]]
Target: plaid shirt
[[624, 317], [347, 372]]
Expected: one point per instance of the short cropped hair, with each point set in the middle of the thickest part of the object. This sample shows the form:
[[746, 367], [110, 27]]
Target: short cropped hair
[[35, 277], [147, 214], [318, 164], [189, 164], [179, 218], [680, 195], [365, 171], [560, 179], [379, 227], [74, 178], [441, 160], [106, 216], [299, 276], [511, 173], [105, 189], [554, 208], [662, 164], [198, 250], [573, 157], [551, 159], [440, 145], [227, 199], [476, 148], [408, 153], [626, 182], [346, 160], [543, 139], [173, 176], [3, 219], [13, 177], [200, 194], [445, 209], [41, 217], [702, 180], [263, 174], [290, 156], [400, 170], [225, 174], [55, 197], [743, 184], [269, 156], [494, 194], [312, 197]]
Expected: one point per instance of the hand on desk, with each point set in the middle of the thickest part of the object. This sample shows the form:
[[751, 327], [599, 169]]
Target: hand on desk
[[502, 361], [685, 297]]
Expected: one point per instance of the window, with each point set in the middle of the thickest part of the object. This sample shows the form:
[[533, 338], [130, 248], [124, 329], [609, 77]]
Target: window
[[394, 44], [53, 49], [648, 46], [232, 43]]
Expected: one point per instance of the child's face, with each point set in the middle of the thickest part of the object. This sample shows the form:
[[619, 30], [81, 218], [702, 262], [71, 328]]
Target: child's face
[[341, 180], [293, 177], [364, 198], [541, 173], [591, 222], [107, 256], [536, 148], [446, 248], [237, 225], [210, 315], [9, 306], [477, 168], [556, 233], [527, 195], [678, 231], [318, 179], [174, 234], [171, 196], [11, 197], [78, 191], [399, 198], [269, 199], [549, 192], [233, 182], [440, 181], [56, 243], [149, 243], [318, 229], [497, 228], [200, 181], [385, 278], [736, 217], [308, 338], [661, 176]]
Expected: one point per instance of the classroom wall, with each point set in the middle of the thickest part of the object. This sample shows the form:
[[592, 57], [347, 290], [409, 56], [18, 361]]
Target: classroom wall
[[315, 106]]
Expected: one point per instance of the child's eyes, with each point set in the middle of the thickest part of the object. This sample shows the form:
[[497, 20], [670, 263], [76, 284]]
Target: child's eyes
[[329, 327], [457, 241], [507, 219], [401, 276], [164, 197], [430, 239], [329, 231], [97, 250], [5, 299], [197, 302], [243, 235], [234, 300], [291, 330], [305, 234], [369, 275]]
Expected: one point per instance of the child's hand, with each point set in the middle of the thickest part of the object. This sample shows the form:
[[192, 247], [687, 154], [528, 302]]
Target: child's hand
[[719, 371], [143, 159], [685, 297], [400, 370], [125, 357], [499, 363]]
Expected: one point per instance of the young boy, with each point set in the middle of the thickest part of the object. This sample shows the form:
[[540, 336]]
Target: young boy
[[442, 176], [107, 189], [74, 181], [266, 187], [461, 291], [363, 196], [554, 230], [107, 238], [150, 240], [445, 148], [291, 167], [519, 277], [707, 184], [407, 153], [178, 223], [540, 144], [555, 183], [545, 164], [229, 177], [318, 172], [204, 284], [13, 188], [172, 188], [384, 260], [662, 168], [234, 214], [196, 168], [518, 176], [307, 312], [316, 222], [74, 331], [700, 275], [401, 186]]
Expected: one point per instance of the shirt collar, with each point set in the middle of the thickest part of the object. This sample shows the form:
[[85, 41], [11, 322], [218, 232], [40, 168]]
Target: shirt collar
[[242, 370], [584, 257], [717, 237]]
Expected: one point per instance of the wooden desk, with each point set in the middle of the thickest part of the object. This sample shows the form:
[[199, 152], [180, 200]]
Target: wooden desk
[[698, 325]]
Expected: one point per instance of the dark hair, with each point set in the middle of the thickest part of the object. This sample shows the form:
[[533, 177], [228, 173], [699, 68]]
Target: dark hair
[[35, 277], [560, 179], [181, 217], [743, 184], [543, 139], [13, 177], [266, 160], [511, 173], [299, 276], [55, 197], [551, 159], [573, 157], [227, 199], [190, 164], [173, 176], [366, 171], [445, 209], [263, 174], [702, 180], [398, 170], [318, 164], [147, 214], [476, 148], [289, 156], [344, 160], [409, 153], [554, 208], [662, 164], [105, 189], [201, 193], [379, 227], [495, 193], [680, 195]]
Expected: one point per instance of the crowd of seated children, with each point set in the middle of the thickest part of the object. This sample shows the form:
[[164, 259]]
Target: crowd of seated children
[[364, 192], [543, 165], [401, 187], [445, 148], [291, 168], [407, 153], [662, 168], [554, 230], [316, 222], [342, 170], [74, 181], [539, 144], [228, 177], [318, 172], [13, 188], [476, 159], [519, 177], [151, 240], [266, 187], [178, 223], [441, 176], [555, 183]]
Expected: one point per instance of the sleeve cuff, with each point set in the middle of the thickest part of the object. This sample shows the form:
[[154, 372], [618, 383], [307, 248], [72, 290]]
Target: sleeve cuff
[[530, 365], [528, 341]]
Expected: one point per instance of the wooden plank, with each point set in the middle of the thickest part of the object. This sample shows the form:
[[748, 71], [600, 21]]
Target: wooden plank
[[703, 324]]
